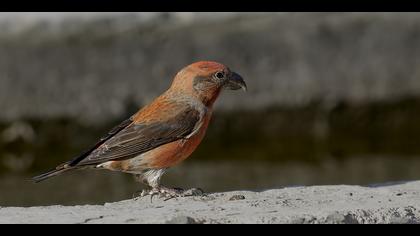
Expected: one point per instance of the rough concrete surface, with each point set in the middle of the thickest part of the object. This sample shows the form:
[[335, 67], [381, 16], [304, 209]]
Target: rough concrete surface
[[392, 203]]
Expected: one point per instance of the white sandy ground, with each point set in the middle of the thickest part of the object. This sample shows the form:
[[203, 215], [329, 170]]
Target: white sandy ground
[[392, 203]]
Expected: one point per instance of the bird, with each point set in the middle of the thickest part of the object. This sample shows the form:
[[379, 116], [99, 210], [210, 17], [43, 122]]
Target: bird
[[163, 133]]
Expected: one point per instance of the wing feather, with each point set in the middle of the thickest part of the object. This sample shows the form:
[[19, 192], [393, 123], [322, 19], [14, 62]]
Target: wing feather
[[137, 138], [101, 141]]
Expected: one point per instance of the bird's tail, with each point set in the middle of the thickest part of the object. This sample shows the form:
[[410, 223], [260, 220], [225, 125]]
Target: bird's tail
[[57, 171]]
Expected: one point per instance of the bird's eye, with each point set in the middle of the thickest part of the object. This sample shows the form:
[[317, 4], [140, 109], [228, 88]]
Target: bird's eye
[[219, 75]]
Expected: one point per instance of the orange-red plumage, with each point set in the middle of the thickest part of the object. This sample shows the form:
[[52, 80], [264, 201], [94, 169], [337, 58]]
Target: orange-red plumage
[[163, 133]]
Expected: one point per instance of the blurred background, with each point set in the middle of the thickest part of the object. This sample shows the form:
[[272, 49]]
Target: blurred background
[[333, 98]]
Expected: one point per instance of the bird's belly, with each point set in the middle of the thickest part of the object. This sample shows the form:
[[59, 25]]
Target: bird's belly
[[170, 154]]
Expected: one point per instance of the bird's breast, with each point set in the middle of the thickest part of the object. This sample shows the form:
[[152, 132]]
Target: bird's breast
[[173, 153]]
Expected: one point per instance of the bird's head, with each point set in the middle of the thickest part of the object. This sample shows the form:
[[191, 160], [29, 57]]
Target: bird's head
[[205, 79]]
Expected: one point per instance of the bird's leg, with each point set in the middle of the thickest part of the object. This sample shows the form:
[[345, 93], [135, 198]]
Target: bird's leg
[[164, 192], [143, 192]]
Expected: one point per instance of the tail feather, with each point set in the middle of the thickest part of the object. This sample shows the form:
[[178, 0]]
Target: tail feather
[[57, 171]]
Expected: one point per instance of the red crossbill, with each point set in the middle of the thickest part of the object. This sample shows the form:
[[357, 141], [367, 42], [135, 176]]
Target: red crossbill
[[163, 133]]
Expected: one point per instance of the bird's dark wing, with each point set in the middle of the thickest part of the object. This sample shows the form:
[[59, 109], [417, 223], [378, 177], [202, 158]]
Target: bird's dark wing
[[137, 138], [101, 141]]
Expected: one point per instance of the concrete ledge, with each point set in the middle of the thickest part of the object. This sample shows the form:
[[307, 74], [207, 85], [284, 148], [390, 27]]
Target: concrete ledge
[[392, 203]]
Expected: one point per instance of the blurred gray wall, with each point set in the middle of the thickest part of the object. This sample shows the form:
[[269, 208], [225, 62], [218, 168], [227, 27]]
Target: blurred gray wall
[[91, 66]]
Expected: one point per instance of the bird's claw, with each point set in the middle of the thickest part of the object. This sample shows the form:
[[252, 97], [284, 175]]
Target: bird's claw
[[182, 193], [169, 193]]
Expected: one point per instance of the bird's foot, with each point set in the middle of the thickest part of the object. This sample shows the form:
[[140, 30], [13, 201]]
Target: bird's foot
[[169, 193]]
